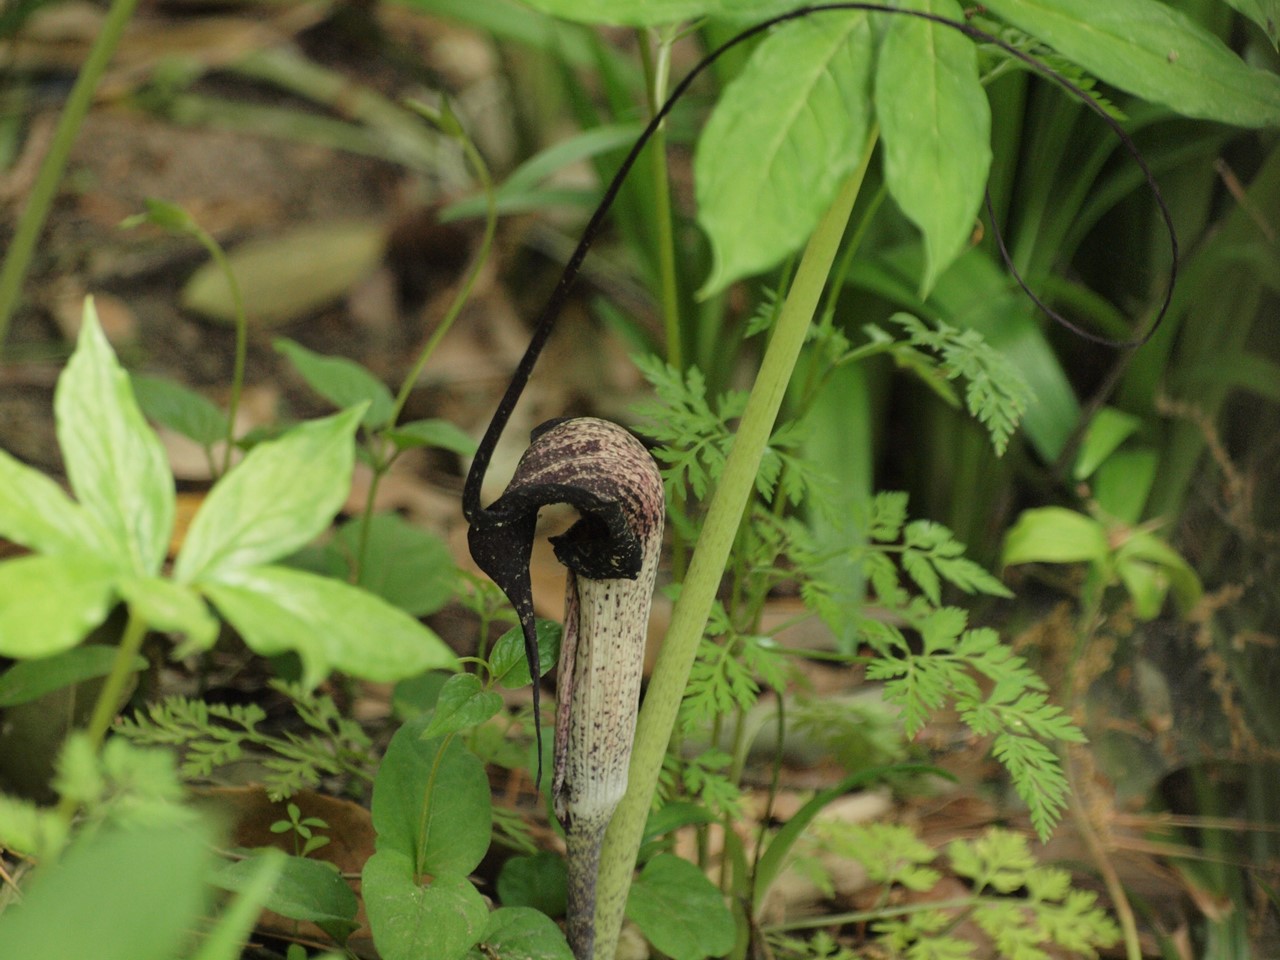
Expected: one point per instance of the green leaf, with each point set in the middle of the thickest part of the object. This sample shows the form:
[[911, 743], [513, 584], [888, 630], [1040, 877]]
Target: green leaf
[[29, 680], [413, 921], [35, 513], [1108, 429], [1123, 483], [115, 463], [935, 123], [49, 603], [680, 911], [636, 13], [1155, 51], [405, 565], [331, 625], [431, 802], [432, 433], [521, 933], [1171, 569], [304, 890], [462, 704], [1055, 535], [342, 382], [282, 495], [507, 662], [226, 940], [100, 898], [1265, 13], [540, 881], [784, 135], [180, 408], [174, 607]]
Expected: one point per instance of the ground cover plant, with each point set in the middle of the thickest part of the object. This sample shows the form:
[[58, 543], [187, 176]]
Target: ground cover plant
[[850, 241]]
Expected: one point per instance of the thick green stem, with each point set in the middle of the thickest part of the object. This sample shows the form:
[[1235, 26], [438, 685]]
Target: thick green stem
[[45, 188], [689, 618]]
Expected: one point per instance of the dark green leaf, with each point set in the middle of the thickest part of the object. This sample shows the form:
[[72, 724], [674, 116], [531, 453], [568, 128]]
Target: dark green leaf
[[539, 881], [432, 433], [342, 382], [431, 802], [180, 408], [29, 680], [507, 661], [116, 465], [520, 933], [407, 566], [462, 704], [680, 911], [439, 920], [305, 890]]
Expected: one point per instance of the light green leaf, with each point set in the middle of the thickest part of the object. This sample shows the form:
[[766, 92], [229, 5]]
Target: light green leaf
[[36, 513], [1107, 430], [522, 933], [431, 802], [784, 135], [282, 495], [180, 408], [507, 662], [1124, 481], [226, 940], [433, 433], [49, 603], [99, 899], [412, 921], [342, 382], [115, 463], [1055, 535], [462, 704], [680, 911], [331, 625], [1155, 51], [935, 124], [1171, 567], [174, 607], [29, 680]]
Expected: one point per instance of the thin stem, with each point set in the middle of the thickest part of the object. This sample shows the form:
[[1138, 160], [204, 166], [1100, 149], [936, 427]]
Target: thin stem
[[112, 692], [689, 618], [242, 338], [45, 188]]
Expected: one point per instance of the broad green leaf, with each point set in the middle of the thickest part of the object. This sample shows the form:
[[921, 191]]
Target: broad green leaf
[[644, 13], [1265, 13], [433, 433], [342, 382], [29, 680], [439, 920], [462, 704], [115, 462], [226, 940], [100, 898], [680, 911], [1155, 51], [935, 124], [1176, 573], [173, 607], [1124, 481], [540, 881], [329, 624], [282, 495], [507, 661], [405, 565], [304, 890], [36, 513], [180, 408], [431, 802], [48, 604], [1107, 430], [521, 933], [784, 135], [1055, 535]]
